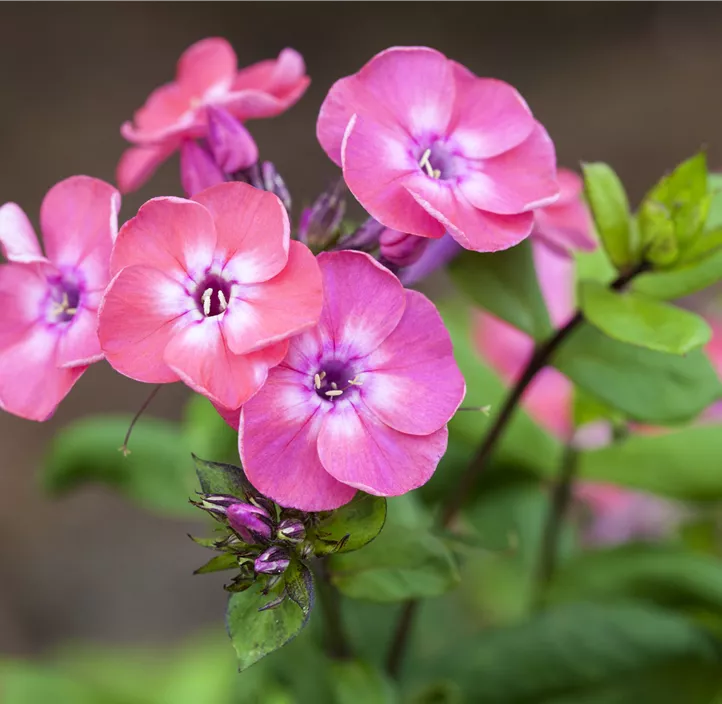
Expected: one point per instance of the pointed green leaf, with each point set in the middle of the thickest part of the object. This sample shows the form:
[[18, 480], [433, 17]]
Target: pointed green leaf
[[683, 464], [505, 284], [157, 473], [350, 527], [682, 280], [255, 633], [225, 561], [648, 386], [299, 586], [642, 321], [219, 478], [610, 209]]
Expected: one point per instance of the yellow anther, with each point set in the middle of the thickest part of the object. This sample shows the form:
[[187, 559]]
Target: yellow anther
[[355, 382], [222, 301], [334, 392], [317, 381], [334, 385], [206, 298]]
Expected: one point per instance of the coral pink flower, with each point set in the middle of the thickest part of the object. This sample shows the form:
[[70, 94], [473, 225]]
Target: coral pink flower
[[48, 335], [566, 225], [428, 147], [361, 401], [207, 75], [207, 291]]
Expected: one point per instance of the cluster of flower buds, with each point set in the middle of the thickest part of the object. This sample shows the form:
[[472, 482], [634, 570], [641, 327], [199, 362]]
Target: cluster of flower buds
[[262, 536], [320, 225]]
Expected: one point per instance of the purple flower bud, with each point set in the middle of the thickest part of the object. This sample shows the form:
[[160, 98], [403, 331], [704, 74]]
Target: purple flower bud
[[198, 169], [400, 248], [319, 224], [438, 253], [217, 503], [230, 142], [292, 529], [273, 183], [252, 523], [272, 561], [365, 238]]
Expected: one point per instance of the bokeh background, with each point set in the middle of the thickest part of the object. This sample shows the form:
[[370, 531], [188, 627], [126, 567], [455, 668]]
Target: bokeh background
[[636, 85]]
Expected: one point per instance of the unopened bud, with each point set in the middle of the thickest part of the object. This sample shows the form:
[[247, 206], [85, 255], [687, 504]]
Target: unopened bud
[[366, 237], [229, 141], [400, 248], [252, 523], [292, 529], [272, 561], [266, 178], [436, 254], [319, 224], [217, 503], [198, 168]]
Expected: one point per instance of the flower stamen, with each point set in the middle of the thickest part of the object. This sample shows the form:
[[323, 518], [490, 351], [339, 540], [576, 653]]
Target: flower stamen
[[63, 307], [206, 300], [425, 164], [222, 301], [334, 392]]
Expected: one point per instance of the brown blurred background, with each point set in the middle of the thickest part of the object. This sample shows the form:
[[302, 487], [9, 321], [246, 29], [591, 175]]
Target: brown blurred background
[[637, 85]]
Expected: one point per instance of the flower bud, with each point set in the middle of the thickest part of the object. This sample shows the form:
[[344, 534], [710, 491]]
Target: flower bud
[[400, 248], [319, 225], [272, 561], [198, 169], [230, 142], [217, 503], [266, 178], [437, 254], [252, 523], [292, 529], [365, 237]]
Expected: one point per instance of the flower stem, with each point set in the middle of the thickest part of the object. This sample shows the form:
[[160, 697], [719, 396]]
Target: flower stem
[[335, 641], [124, 447], [539, 359], [558, 505]]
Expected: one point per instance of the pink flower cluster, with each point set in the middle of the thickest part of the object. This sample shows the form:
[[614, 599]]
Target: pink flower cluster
[[336, 377]]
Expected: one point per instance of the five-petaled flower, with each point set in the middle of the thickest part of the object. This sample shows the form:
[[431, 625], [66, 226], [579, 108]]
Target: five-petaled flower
[[207, 291], [207, 75], [361, 401], [428, 147], [48, 335]]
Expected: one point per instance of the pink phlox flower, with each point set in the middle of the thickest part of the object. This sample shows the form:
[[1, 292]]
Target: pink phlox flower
[[619, 515], [208, 291], [48, 335], [428, 147], [566, 225], [207, 75], [361, 401]]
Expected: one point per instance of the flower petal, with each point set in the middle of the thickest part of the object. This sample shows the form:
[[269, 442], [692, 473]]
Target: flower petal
[[415, 84], [79, 222], [23, 291], [518, 180], [18, 242], [31, 384], [141, 311], [209, 65], [490, 117], [411, 381], [472, 228], [78, 344], [198, 353], [277, 444], [287, 304], [375, 160], [138, 164], [253, 230], [359, 450], [363, 302], [173, 235]]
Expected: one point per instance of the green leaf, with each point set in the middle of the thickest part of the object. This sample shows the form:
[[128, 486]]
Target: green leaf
[[157, 474], [226, 561], [299, 586], [638, 320], [207, 434], [683, 464], [524, 447], [356, 682], [657, 233], [572, 652], [255, 633], [406, 561], [682, 280], [350, 527], [219, 478], [610, 210], [648, 386], [664, 575], [505, 284]]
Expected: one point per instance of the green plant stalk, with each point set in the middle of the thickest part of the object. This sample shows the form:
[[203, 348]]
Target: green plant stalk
[[336, 642]]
